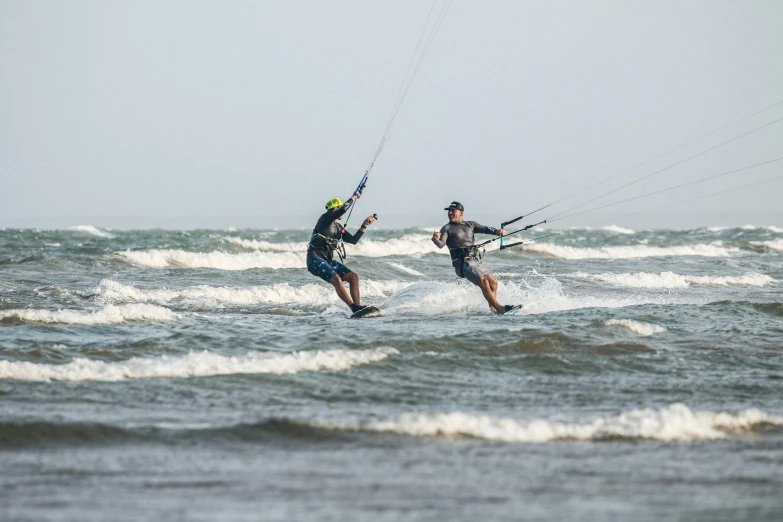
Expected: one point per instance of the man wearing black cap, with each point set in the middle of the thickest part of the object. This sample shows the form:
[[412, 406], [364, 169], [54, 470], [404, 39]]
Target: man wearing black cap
[[458, 236]]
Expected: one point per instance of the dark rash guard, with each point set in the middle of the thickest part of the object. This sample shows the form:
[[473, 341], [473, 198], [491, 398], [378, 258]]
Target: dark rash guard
[[327, 233], [460, 236]]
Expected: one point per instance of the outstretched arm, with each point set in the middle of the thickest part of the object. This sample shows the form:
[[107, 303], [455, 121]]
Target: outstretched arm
[[481, 229]]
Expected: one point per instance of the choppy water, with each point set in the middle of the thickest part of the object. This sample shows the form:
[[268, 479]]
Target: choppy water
[[206, 375]]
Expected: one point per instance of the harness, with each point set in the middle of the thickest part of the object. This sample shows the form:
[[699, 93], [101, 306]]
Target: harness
[[332, 243], [469, 252]]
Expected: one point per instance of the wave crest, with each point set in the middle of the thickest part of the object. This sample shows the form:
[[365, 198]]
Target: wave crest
[[672, 280], [109, 314], [628, 252], [775, 244], [618, 230], [637, 327], [89, 229], [408, 245], [676, 423], [209, 296], [219, 260], [202, 364]]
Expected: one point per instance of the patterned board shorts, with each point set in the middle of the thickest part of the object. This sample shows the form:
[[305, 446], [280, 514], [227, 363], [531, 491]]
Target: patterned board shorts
[[470, 269], [326, 269]]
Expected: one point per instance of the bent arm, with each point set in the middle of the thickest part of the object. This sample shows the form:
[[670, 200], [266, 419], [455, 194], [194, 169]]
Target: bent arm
[[444, 236], [352, 239]]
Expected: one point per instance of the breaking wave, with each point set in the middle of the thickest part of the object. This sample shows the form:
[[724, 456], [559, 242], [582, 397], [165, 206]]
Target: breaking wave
[[254, 244], [618, 230], [409, 245], [219, 260], [89, 229], [109, 314], [775, 244], [312, 294], [406, 269], [637, 327], [627, 252], [202, 364], [676, 423], [672, 280]]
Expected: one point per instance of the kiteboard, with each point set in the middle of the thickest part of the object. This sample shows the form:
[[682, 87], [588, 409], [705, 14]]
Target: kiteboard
[[513, 310], [364, 313]]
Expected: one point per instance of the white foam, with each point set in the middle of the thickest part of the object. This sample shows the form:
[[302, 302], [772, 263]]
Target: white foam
[[672, 280], [618, 230], [550, 297], [200, 364], [109, 314], [219, 260], [637, 327], [775, 244], [89, 229], [410, 245], [627, 252], [436, 298], [462, 298], [406, 269], [267, 246], [776, 230], [207, 297], [675, 423]]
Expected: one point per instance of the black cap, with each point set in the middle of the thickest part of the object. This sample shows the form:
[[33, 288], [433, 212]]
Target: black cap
[[455, 205]]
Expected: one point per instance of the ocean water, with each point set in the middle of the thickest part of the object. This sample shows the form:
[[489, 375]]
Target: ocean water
[[205, 375]]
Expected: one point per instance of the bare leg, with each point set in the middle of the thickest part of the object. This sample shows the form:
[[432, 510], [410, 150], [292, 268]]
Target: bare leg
[[342, 293], [353, 281], [493, 285], [489, 295]]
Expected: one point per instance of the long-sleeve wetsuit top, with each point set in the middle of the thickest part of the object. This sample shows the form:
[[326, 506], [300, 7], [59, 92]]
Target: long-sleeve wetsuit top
[[459, 237], [327, 233]]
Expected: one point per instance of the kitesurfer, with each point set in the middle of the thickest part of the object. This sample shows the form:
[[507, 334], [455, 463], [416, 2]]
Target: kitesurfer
[[465, 256], [328, 236]]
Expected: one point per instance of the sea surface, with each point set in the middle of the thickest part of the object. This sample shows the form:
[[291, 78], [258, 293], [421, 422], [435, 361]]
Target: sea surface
[[206, 375]]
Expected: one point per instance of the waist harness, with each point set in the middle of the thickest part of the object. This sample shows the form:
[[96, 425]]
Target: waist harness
[[470, 252], [331, 243]]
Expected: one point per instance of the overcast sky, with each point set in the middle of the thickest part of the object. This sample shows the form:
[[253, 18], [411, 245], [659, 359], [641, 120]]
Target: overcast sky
[[255, 113]]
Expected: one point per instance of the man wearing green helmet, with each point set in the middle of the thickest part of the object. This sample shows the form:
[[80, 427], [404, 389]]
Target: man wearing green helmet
[[326, 238]]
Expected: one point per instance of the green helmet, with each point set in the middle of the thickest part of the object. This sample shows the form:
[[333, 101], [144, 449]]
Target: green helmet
[[333, 204]]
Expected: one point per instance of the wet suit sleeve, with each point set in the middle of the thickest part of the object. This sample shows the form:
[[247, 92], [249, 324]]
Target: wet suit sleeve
[[481, 229], [349, 238], [444, 236], [352, 239]]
